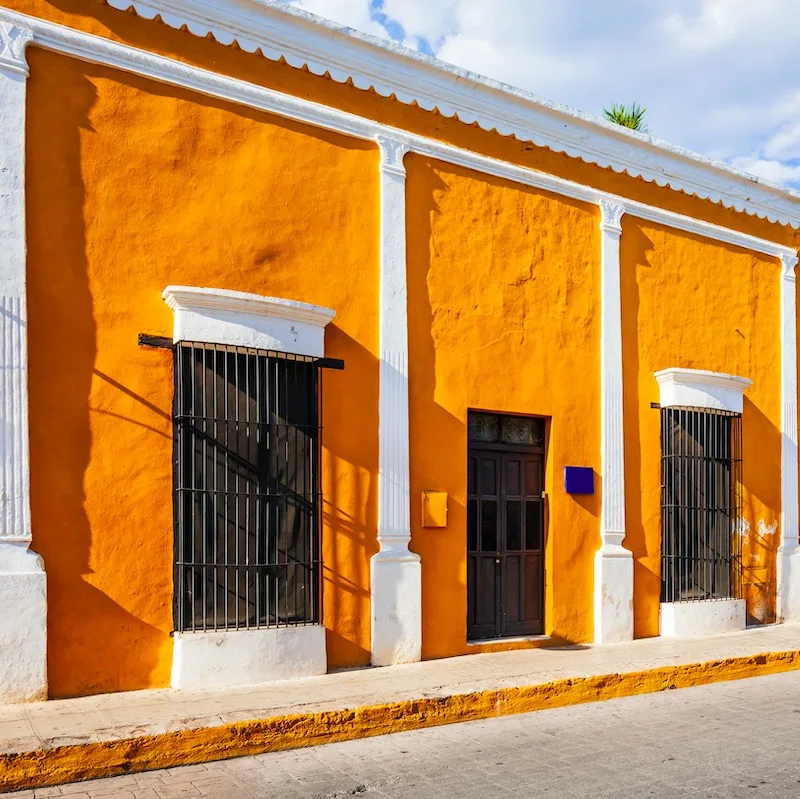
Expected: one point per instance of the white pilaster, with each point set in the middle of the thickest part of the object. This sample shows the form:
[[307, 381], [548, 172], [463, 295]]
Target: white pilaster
[[396, 575], [788, 556], [613, 564], [23, 600]]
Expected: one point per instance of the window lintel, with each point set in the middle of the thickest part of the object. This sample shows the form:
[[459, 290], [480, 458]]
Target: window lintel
[[222, 316], [699, 388]]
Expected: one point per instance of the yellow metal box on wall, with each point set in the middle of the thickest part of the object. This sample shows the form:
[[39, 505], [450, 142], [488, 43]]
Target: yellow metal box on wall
[[434, 508]]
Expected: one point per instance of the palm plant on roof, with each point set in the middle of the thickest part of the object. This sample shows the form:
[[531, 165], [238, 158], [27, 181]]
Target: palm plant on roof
[[629, 116]]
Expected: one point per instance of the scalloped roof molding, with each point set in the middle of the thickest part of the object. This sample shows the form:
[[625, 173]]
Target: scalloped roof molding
[[305, 40]]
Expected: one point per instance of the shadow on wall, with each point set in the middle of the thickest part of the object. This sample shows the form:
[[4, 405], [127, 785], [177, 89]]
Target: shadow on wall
[[761, 535], [87, 630], [761, 443], [446, 366], [646, 562], [349, 463], [101, 469], [443, 551]]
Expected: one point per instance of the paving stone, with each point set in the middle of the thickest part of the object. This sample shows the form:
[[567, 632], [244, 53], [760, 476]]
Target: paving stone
[[732, 740], [125, 714]]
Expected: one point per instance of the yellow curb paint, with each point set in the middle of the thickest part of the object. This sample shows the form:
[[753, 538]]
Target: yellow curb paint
[[63, 764]]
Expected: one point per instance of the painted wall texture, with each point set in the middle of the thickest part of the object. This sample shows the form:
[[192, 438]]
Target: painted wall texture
[[133, 185], [504, 299], [131, 188], [692, 303]]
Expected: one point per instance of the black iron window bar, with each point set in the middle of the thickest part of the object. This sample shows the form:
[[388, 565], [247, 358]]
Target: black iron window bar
[[247, 488], [701, 505]]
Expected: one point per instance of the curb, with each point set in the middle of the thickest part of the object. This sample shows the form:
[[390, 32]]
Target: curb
[[46, 767]]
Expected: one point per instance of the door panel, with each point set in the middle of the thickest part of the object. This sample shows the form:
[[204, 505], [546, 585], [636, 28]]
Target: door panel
[[505, 543]]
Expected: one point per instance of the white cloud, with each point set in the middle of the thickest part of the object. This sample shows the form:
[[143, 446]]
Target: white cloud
[[717, 76], [711, 24], [423, 19], [776, 171]]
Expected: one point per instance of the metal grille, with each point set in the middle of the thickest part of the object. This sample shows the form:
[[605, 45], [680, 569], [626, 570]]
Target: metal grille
[[246, 488], [701, 504]]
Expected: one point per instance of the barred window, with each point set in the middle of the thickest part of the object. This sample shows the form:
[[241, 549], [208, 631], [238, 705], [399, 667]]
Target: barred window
[[701, 554], [246, 488]]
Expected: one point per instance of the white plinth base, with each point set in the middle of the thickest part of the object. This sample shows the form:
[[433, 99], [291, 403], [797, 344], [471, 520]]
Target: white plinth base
[[788, 564], [613, 595], [226, 658], [23, 624], [698, 618], [396, 586]]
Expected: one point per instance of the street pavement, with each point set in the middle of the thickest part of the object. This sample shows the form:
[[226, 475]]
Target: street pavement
[[722, 741]]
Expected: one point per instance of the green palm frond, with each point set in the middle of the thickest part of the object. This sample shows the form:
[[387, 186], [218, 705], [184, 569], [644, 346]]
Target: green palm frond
[[629, 116]]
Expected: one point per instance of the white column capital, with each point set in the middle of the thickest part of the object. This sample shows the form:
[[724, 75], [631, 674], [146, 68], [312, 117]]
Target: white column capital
[[611, 216], [13, 41], [392, 153], [788, 264]]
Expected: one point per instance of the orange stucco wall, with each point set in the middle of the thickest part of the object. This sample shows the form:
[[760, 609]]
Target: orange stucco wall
[[503, 298], [694, 303], [132, 187]]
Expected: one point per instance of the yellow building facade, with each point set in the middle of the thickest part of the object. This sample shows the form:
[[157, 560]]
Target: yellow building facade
[[318, 353]]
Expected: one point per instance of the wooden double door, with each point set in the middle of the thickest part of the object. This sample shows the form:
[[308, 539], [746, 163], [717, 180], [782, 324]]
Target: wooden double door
[[505, 542]]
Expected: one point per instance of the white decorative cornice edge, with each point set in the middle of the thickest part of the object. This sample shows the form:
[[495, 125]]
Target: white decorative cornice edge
[[98, 50], [304, 40], [220, 316], [13, 41], [698, 388]]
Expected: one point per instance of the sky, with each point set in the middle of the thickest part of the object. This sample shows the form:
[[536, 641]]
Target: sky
[[720, 77]]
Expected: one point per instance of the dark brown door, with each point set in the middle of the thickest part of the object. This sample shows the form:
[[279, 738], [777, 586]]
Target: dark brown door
[[505, 543]]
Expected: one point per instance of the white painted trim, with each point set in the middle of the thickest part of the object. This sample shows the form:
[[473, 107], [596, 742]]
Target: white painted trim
[[395, 573], [788, 556], [304, 40], [229, 658], [702, 617], [98, 50], [698, 388], [15, 514], [220, 316], [613, 565], [23, 585]]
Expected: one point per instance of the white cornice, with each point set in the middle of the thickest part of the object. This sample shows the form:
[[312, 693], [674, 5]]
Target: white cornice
[[304, 40], [99, 50], [698, 388]]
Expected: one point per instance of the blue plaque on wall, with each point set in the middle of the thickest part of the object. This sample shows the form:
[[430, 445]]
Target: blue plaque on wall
[[579, 479]]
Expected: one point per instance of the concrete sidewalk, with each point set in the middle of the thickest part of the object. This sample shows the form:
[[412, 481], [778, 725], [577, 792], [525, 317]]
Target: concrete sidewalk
[[65, 740]]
